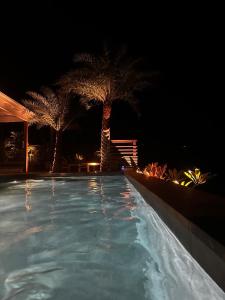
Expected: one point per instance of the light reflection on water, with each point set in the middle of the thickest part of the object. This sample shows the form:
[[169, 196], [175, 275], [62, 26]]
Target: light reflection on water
[[28, 187], [85, 238], [77, 225]]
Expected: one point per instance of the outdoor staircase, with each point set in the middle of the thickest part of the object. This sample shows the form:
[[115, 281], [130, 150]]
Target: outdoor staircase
[[123, 153]]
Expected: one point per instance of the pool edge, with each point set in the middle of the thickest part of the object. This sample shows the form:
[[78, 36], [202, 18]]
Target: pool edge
[[204, 249]]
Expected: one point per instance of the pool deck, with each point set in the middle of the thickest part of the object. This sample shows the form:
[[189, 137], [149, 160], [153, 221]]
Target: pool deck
[[196, 218]]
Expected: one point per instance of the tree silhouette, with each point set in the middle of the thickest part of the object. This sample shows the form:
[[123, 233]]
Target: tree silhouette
[[51, 109], [104, 79]]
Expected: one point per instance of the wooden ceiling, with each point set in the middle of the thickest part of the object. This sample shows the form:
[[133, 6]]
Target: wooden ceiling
[[12, 111]]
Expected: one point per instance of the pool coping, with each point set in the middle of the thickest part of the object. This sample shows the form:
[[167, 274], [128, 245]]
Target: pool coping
[[209, 253]]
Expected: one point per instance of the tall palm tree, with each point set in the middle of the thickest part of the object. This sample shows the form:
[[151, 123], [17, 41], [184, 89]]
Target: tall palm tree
[[51, 109], [104, 79]]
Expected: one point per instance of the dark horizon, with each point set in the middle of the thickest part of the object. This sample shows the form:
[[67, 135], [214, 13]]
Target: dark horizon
[[181, 116]]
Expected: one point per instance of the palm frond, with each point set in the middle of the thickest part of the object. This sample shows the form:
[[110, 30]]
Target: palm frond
[[105, 78], [84, 58], [36, 96], [43, 100], [50, 108]]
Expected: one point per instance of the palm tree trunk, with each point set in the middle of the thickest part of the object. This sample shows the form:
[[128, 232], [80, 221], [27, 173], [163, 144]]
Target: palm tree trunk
[[56, 154], [52, 139], [51, 144], [105, 138]]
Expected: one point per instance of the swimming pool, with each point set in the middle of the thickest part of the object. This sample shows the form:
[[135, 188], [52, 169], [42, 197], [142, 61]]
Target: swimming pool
[[91, 238]]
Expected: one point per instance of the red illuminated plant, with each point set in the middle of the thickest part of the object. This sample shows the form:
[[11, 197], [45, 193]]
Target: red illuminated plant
[[155, 170]]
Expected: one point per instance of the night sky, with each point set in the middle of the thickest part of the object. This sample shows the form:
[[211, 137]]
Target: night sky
[[182, 120]]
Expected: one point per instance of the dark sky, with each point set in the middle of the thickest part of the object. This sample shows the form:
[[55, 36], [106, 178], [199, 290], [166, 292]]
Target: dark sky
[[182, 115]]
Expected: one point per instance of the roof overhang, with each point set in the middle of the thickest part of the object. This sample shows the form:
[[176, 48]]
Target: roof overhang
[[12, 111]]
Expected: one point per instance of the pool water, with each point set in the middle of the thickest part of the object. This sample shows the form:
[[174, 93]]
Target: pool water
[[91, 238]]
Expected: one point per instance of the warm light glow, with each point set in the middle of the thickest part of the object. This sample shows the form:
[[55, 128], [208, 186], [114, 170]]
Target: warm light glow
[[79, 156], [139, 171], [155, 170], [196, 176], [176, 181], [93, 164], [33, 153]]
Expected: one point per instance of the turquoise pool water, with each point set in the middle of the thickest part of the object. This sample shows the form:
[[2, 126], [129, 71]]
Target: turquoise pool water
[[91, 238]]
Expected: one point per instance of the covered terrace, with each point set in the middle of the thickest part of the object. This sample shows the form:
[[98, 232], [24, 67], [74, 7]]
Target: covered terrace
[[13, 112]]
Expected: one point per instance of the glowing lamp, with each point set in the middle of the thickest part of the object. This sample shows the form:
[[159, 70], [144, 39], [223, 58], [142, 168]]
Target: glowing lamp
[[93, 164]]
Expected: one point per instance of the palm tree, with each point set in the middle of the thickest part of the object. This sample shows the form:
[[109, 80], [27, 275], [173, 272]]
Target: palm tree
[[104, 79], [51, 109]]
